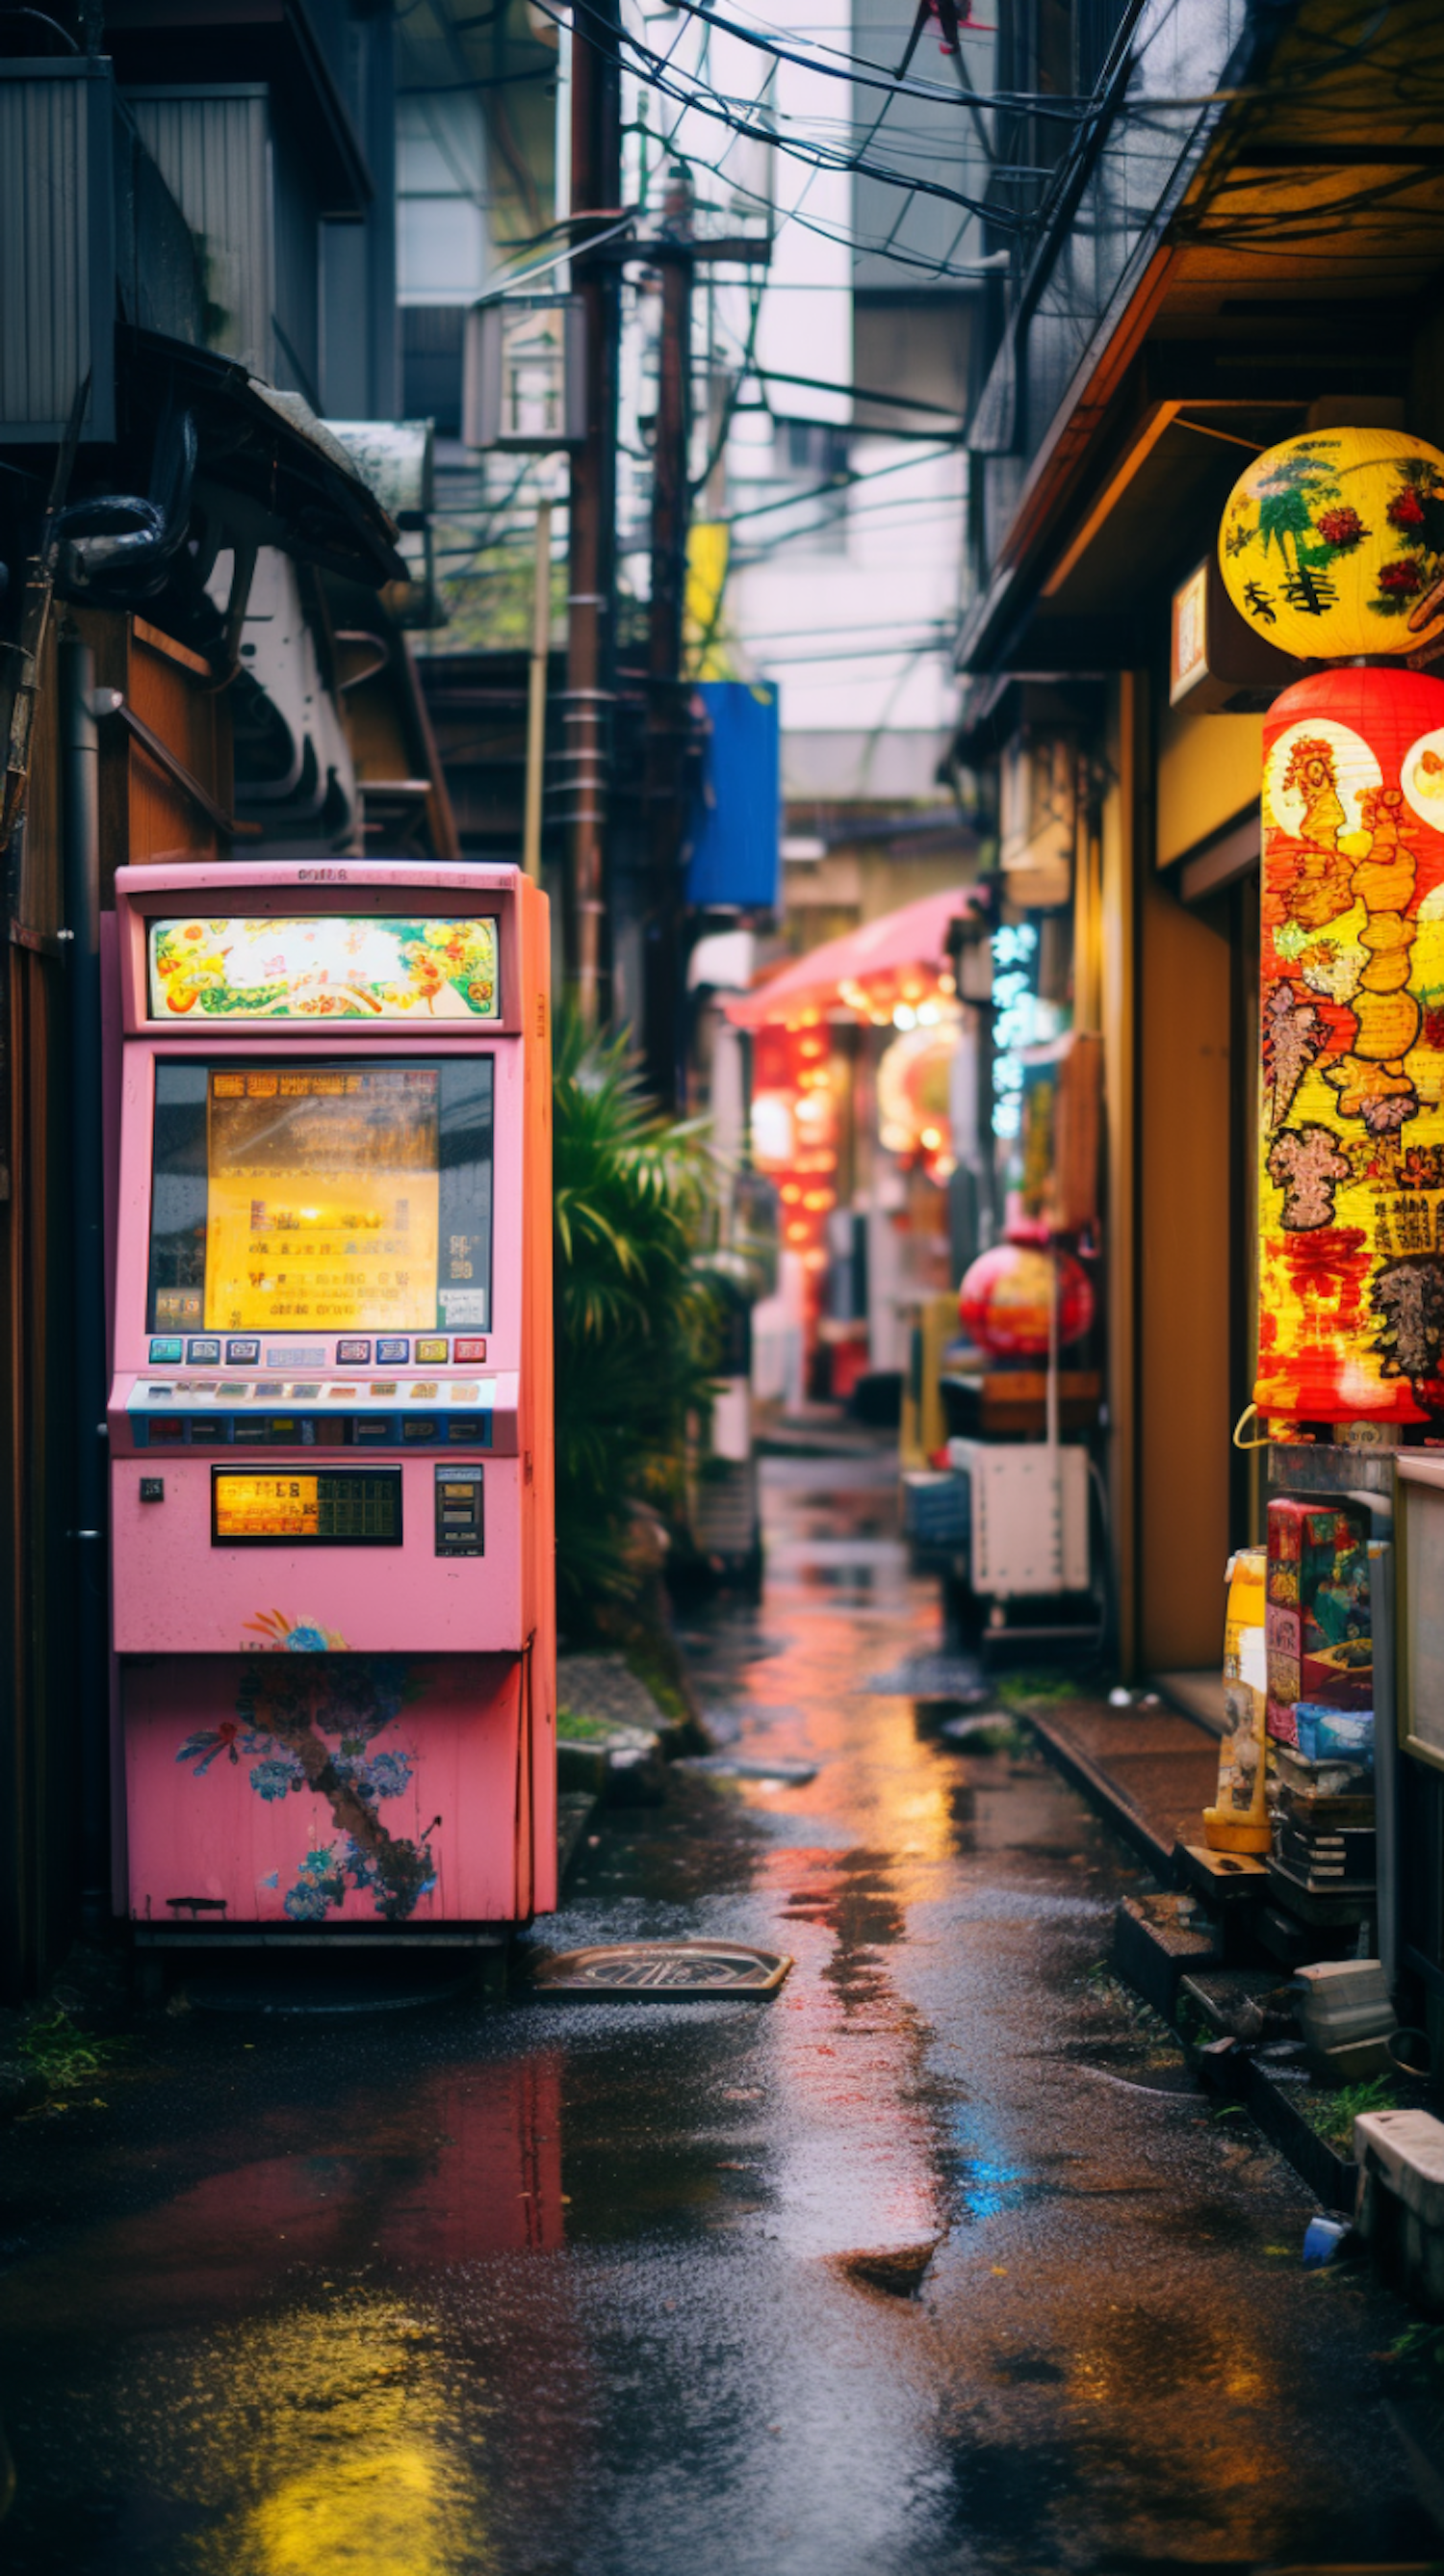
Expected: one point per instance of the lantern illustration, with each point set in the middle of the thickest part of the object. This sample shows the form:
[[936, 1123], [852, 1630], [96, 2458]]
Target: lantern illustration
[[1331, 543], [1351, 1322]]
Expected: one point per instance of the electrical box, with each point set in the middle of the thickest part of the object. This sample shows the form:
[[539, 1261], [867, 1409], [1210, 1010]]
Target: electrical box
[[1029, 1516]]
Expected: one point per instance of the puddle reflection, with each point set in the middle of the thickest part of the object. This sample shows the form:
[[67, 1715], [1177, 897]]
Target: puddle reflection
[[635, 2296], [232, 2364], [341, 2438]]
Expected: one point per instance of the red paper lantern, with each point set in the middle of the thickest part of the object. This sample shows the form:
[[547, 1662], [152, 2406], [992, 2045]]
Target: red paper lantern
[[1006, 1295], [1351, 1199]]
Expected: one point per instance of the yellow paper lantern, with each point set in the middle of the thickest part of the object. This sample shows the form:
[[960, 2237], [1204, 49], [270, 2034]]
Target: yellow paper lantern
[[1330, 542]]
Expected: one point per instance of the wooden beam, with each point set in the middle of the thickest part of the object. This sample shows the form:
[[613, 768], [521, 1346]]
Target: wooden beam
[[1159, 417]]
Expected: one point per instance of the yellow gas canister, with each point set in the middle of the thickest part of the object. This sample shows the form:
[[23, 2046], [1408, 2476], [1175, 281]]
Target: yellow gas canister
[[1239, 1822]]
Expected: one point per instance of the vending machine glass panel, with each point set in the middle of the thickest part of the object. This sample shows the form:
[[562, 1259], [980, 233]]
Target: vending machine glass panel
[[332, 1198]]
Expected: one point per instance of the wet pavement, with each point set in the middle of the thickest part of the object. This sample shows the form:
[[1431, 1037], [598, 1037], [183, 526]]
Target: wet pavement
[[934, 2263]]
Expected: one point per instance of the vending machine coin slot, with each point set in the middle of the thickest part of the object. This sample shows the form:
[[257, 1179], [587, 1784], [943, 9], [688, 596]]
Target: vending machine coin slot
[[459, 1511]]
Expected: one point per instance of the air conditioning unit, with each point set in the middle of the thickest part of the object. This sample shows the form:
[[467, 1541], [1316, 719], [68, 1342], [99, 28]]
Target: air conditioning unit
[[1038, 818], [1029, 1516]]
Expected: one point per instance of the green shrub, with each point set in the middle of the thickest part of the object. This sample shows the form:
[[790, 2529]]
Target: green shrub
[[64, 2055], [636, 1321], [1331, 2111]]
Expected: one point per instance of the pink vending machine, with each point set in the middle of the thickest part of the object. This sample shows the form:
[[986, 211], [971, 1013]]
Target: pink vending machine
[[330, 1419]]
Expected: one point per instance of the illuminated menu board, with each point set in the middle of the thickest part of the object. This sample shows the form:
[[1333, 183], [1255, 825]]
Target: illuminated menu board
[[322, 1198], [339, 1509]]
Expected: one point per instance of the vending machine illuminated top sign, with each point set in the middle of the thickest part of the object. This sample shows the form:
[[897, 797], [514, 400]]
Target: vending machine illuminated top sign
[[326, 1198], [328, 966]]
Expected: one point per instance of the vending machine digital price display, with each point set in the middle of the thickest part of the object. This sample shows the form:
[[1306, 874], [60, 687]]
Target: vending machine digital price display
[[330, 1417]]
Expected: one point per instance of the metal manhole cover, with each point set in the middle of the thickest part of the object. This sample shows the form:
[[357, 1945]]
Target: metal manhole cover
[[673, 1971]]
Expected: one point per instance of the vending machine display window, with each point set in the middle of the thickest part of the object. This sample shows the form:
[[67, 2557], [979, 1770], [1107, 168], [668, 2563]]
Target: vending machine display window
[[339, 1507], [322, 1198]]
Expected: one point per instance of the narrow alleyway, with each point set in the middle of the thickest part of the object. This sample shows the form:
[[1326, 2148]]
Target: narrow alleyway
[[936, 2263]]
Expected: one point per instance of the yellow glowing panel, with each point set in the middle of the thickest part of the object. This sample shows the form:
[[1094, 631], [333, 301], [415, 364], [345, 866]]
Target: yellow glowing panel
[[268, 1506], [324, 1199]]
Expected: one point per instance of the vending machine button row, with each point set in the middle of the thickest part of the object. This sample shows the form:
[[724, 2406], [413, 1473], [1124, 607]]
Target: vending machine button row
[[315, 1431], [446, 1392], [206, 1350]]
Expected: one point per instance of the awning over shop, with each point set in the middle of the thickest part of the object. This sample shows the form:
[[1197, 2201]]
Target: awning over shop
[[898, 958]]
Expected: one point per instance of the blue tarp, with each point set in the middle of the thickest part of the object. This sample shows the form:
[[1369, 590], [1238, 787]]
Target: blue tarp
[[736, 822]]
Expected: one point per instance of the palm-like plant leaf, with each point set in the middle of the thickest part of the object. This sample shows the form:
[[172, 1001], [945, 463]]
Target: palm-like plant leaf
[[636, 1324]]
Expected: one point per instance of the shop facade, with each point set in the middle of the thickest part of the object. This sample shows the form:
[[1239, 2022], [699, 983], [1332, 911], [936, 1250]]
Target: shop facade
[[1247, 282]]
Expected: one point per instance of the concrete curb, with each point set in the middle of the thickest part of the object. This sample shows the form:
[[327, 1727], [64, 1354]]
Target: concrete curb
[[1329, 2176], [1101, 1793]]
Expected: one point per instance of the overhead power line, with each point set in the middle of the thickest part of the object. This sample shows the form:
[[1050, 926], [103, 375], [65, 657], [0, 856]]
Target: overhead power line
[[703, 100], [833, 489], [856, 393]]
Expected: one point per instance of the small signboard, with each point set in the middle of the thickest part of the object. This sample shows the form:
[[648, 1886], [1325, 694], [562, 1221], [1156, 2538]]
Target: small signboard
[[1188, 635]]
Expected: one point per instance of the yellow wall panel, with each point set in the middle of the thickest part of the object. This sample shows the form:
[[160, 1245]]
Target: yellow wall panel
[[1183, 1284], [1208, 773]]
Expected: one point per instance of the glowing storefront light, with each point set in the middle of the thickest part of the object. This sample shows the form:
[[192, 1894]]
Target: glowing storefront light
[[1335, 543]]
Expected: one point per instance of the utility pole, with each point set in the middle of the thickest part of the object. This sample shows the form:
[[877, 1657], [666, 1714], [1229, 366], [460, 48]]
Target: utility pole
[[536, 700], [668, 721], [596, 185]]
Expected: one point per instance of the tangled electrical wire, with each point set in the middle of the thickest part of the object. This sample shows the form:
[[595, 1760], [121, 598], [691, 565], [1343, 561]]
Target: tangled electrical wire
[[662, 75]]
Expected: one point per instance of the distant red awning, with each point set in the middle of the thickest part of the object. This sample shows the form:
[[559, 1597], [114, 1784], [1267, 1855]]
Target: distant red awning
[[873, 964]]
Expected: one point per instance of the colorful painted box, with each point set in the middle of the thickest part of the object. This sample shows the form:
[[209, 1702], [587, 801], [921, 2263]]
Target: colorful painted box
[[1284, 1539], [1318, 1605], [1282, 1720], [1284, 1631], [1340, 1676], [1309, 1545], [1331, 1734]]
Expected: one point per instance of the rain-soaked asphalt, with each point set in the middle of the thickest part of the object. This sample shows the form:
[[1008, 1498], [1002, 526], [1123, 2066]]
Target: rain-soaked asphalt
[[568, 2290]]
